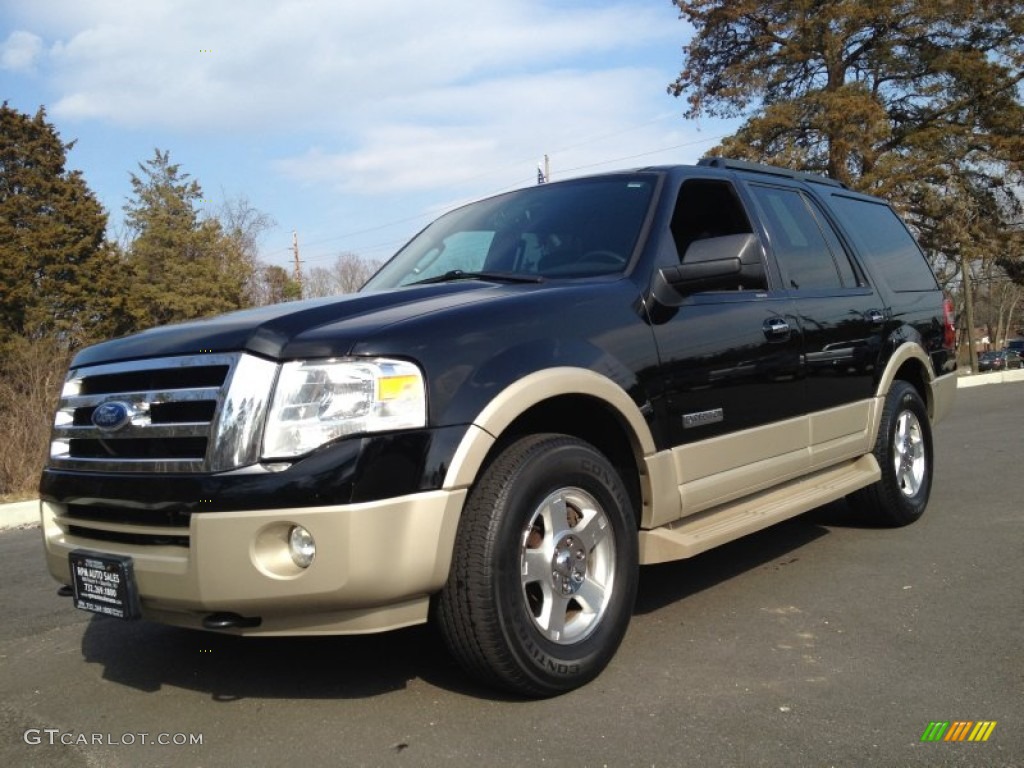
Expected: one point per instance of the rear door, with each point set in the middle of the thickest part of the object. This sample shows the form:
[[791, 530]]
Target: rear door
[[842, 319]]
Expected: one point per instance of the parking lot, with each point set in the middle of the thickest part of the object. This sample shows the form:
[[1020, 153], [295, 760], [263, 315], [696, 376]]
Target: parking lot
[[825, 641]]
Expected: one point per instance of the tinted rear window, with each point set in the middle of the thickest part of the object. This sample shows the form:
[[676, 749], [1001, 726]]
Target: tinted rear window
[[885, 243]]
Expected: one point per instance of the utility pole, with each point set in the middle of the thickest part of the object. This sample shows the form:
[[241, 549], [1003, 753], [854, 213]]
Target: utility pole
[[298, 263]]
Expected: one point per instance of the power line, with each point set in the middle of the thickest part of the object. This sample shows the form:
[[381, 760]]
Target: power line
[[433, 211], [645, 154], [604, 136]]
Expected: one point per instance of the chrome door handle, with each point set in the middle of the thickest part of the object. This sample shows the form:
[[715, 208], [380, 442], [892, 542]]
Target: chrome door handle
[[875, 316], [776, 329]]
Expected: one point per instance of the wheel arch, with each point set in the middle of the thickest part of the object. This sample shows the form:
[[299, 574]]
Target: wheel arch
[[573, 401], [909, 363]]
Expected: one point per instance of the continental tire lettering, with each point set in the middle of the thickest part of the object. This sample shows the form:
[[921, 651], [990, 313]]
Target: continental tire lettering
[[600, 472], [594, 469], [542, 657]]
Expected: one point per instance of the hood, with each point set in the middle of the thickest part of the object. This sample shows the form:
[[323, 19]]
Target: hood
[[267, 331]]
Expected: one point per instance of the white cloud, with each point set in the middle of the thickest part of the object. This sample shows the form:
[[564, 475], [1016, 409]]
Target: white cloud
[[19, 52], [373, 96], [271, 64], [492, 132]]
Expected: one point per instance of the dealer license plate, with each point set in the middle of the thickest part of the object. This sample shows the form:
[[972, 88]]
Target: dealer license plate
[[104, 584]]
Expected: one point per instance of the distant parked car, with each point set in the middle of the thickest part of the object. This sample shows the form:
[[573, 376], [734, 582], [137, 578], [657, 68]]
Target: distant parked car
[[1017, 345], [1003, 360]]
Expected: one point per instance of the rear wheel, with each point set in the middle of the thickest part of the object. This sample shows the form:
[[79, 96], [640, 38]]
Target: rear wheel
[[904, 453], [544, 571]]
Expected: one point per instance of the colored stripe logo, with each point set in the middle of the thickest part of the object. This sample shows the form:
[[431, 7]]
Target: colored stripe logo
[[958, 730]]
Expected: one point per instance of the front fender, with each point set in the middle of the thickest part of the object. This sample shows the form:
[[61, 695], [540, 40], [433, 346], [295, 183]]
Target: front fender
[[528, 391]]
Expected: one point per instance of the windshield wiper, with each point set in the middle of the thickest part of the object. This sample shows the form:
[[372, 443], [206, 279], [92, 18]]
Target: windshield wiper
[[502, 277]]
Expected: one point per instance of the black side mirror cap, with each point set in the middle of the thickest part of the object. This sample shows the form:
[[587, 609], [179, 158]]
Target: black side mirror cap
[[718, 263]]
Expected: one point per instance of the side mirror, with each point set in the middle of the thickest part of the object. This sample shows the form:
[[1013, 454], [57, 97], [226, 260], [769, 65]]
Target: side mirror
[[715, 263]]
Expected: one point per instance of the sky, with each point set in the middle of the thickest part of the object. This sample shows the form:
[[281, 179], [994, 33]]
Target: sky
[[351, 122]]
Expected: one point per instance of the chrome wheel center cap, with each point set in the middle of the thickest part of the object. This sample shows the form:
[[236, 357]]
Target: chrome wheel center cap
[[569, 565]]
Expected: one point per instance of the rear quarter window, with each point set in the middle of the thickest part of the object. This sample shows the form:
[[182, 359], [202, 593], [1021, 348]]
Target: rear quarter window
[[885, 243]]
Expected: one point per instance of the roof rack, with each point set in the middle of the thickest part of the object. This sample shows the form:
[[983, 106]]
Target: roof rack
[[744, 165]]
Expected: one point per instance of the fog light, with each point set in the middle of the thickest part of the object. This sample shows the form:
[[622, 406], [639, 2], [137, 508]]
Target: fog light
[[301, 546]]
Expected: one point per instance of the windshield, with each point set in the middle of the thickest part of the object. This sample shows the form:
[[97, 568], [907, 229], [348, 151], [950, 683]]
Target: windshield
[[569, 229]]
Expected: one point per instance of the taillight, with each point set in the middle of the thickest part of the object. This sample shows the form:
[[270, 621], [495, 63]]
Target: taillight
[[949, 321]]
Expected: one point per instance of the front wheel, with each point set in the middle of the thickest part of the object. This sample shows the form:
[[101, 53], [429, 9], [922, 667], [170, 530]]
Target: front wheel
[[904, 453], [544, 570]]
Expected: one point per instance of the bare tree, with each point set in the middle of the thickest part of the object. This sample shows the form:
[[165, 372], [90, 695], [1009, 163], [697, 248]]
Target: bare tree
[[998, 302], [243, 224], [31, 374], [346, 275]]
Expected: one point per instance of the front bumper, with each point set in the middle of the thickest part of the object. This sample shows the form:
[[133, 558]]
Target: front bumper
[[376, 564]]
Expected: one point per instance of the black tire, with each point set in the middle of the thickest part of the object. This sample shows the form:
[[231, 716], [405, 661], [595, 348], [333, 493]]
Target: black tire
[[904, 453], [536, 604]]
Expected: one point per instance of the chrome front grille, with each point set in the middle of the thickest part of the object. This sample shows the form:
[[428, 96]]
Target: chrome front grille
[[201, 413]]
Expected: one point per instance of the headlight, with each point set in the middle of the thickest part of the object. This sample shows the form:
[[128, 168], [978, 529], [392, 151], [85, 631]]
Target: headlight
[[316, 402]]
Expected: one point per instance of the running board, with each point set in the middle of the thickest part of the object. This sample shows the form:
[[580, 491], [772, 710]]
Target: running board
[[690, 536]]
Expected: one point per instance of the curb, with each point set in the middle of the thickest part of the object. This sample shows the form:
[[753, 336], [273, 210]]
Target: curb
[[997, 377], [19, 513], [27, 512]]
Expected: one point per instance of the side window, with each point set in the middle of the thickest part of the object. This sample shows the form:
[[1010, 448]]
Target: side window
[[803, 255], [709, 208], [885, 243], [852, 277]]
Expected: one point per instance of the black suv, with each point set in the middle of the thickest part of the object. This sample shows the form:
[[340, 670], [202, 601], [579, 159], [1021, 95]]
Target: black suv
[[537, 394]]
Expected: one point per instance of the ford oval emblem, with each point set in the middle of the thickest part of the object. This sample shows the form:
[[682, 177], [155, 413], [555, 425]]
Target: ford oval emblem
[[111, 416]]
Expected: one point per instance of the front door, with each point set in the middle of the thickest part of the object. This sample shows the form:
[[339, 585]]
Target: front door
[[730, 359]]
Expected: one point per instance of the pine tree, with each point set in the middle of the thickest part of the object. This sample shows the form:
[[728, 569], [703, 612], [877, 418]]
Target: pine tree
[[184, 266], [274, 285], [58, 277]]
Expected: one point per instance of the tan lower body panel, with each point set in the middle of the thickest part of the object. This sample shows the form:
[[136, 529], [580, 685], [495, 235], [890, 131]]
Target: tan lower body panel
[[842, 433], [713, 472], [375, 564], [356, 621], [695, 534], [944, 394]]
